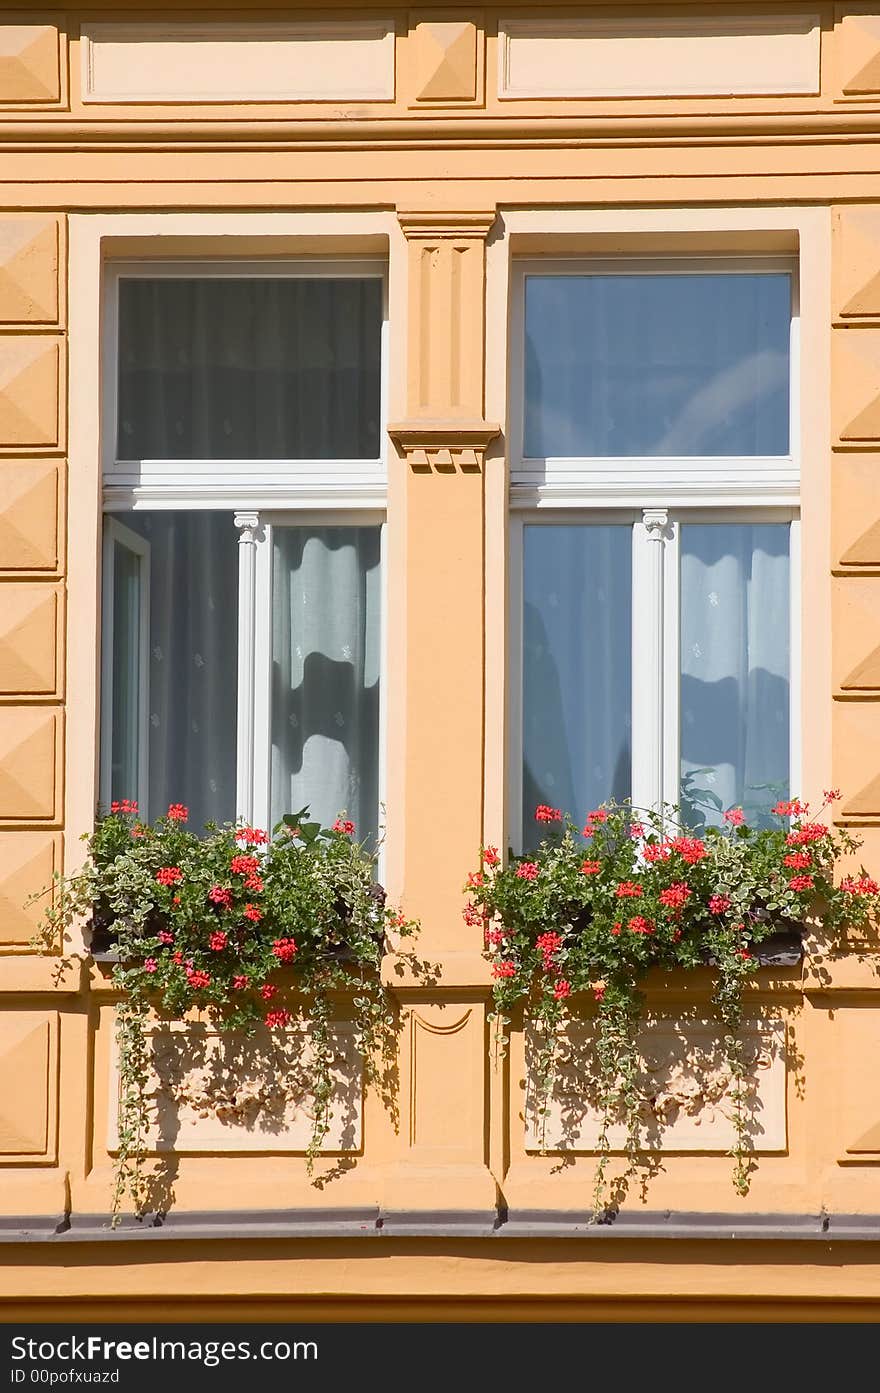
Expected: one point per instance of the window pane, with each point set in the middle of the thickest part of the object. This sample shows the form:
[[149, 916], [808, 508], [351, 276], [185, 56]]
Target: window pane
[[657, 365], [577, 625], [325, 673], [224, 368], [126, 674], [193, 663], [735, 641]]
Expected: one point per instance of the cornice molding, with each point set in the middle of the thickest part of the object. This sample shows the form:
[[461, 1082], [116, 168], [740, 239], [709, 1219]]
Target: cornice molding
[[446, 224], [444, 445]]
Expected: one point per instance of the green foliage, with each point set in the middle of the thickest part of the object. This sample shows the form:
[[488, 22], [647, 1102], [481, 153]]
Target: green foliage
[[593, 910], [218, 925]]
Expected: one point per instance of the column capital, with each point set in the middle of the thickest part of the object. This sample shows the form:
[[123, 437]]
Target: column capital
[[448, 445], [425, 225]]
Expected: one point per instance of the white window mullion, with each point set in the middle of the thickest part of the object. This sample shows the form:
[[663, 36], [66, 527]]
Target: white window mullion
[[119, 537], [515, 686], [795, 660], [261, 742], [248, 525], [648, 661], [672, 665]]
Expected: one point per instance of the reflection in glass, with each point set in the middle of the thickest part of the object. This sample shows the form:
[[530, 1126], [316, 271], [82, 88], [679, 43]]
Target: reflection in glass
[[326, 609], [249, 368], [679, 364], [577, 624], [735, 675]]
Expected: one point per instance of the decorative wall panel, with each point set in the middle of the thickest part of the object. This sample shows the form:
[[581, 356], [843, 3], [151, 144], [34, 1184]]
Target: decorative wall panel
[[28, 860], [28, 1112], [29, 251], [30, 639], [29, 515], [30, 754], [30, 64], [30, 367]]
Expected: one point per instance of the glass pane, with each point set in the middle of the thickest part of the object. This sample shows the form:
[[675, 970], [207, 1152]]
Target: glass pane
[[253, 368], [657, 365], [193, 662], [326, 606], [577, 627], [735, 642], [126, 673]]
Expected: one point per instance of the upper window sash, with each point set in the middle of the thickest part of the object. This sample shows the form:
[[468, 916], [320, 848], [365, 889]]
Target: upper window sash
[[654, 479], [280, 480]]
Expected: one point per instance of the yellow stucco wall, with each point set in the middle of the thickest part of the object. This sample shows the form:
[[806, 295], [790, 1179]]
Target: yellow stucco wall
[[450, 177]]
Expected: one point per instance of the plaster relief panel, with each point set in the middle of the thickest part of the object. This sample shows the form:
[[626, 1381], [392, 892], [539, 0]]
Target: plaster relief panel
[[736, 55], [855, 632], [857, 54], [856, 758], [30, 63], [30, 763], [857, 263], [329, 60], [30, 638], [855, 514], [29, 252], [212, 1092], [447, 1057], [28, 861], [28, 1111], [445, 56], [30, 368], [686, 1085], [855, 396]]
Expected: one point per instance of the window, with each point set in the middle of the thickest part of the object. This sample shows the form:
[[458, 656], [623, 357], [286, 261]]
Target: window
[[242, 560], [654, 555]]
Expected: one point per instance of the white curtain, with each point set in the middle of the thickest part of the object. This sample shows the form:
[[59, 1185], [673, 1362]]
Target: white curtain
[[577, 625], [325, 673], [667, 365], [192, 682], [249, 368], [735, 678]]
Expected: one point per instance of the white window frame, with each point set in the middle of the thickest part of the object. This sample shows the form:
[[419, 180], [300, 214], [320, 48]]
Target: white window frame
[[655, 496], [117, 534], [311, 479], [256, 495]]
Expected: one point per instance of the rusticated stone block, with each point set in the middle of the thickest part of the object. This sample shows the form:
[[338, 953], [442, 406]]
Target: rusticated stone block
[[30, 763], [30, 63], [30, 531], [28, 1111], [29, 252], [30, 367], [28, 860], [446, 60], [856, 384], [30, 638]]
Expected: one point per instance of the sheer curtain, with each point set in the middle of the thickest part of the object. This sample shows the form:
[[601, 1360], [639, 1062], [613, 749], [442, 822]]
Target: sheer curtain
[[577, 626], [249, 368], [671, 364], [326, 606], [735, 678], [192, 681]]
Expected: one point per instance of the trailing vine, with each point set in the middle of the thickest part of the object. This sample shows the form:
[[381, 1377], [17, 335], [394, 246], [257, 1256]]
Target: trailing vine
[[593, 909], [247, 932]]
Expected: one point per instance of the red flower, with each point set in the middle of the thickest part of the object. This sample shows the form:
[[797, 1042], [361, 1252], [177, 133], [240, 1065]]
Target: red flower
[[863, 886], [831, 795], [475, 879], [527, 870], [690, 849], [599, 989], [675, 896], [745, 954], [718, 904], [801, 882], [150, 965], [810, 832], [169, 875], [636, 830], [251, 836], [278, 1018], [597, 815], [640, 925], [267, 991], [504, 970], [251, 912], [124, 805], [242, 864], [165, 936], [548, 945], [284, 949], [493, 938], [343, 825], [561, 990], [627, 889], [798, 860], [616, 928], [545, 814], [253, 883], [217, 941], [197, 978], [656, 852], [137, 831], [175, 899], [471, 915], [735, 816], [177, 958], [591, 867], [177, 812], [491, 856], [792, 808], [220, 895], [240, 982]]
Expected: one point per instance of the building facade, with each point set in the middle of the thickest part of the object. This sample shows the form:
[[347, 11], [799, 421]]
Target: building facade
[[512, 375]]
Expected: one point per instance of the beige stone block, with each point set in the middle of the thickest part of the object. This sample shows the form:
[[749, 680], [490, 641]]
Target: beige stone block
[[28, 861], [855, 398], [30, 638], [855, 630], [30, 763], [30, 63], [686, 1085], [29, 254], [857, 54], [855, 513], [447, 1064], [29, 1102], [30, 531], [857, 262], [30, 371], [446, 60], [216, 1092], [856, 759]]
